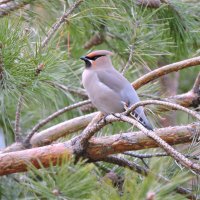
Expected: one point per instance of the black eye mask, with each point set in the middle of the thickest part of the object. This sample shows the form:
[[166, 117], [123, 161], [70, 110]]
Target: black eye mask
[[95, 57]]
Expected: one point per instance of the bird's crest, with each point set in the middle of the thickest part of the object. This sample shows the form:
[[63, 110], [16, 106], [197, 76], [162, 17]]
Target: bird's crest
[[99, 53]]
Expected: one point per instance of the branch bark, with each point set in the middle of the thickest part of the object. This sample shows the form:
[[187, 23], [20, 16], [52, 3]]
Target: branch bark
[[98, 148], [1, 62], [165, 70], [17, 119], [141, 170], [8, 6], [51, 117]]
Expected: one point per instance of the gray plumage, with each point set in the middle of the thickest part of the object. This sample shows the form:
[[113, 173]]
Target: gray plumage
[[107, 88]]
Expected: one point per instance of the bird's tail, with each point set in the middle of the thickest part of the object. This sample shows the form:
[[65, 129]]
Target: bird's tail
[[142, 121]]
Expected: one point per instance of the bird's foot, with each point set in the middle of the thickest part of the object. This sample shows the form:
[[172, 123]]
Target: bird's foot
[[103, 118], [125, 105]]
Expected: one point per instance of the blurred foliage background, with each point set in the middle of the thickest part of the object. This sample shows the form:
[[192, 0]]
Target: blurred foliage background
[[159, 33]]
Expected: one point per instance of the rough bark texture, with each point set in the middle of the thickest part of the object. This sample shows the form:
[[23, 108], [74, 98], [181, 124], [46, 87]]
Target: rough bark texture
[[53, 133], [98, 148], [18, 161]]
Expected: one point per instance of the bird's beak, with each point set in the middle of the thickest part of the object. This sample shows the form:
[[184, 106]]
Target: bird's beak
[[84, 58]]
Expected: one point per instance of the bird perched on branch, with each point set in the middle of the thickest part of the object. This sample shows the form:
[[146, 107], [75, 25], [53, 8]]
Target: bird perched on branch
[[109, 90]]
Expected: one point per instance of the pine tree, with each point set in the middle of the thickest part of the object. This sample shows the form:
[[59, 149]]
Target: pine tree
[[40, 72]]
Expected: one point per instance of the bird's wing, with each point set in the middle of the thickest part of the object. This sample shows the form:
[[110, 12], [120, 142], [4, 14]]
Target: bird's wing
[[112, 79]]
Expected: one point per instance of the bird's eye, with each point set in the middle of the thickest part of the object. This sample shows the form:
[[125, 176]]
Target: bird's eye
[[95, 57]]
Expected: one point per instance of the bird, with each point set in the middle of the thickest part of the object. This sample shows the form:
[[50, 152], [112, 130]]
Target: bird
[[108, 90]]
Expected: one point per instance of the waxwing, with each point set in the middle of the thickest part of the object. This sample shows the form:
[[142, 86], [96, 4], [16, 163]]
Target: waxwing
[[108, 89]]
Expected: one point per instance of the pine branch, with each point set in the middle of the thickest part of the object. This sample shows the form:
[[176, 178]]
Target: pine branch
[[147, 155], [141, 170], [165, 70], [170, 150], [78, 92], [189, 99], [81, 142], [1, 62], [6, 7], [60, 22], [168, 104], [129, 60], [50, 118], [17, 119], [98, 148]]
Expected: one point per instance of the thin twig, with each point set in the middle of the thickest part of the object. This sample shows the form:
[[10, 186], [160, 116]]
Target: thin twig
[[151, 97], [51, 117], [196, 87], [17, 119], [170, 150], [147, 155], [122, 162], [58, 24], [125, 68], [168, 104], [1, 62], [165, 70], [79, 92]]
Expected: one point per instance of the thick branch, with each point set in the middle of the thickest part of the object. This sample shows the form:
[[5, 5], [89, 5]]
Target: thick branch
[[169, 149], [53, 133], [165, 70], [98, 148], [104, 146]]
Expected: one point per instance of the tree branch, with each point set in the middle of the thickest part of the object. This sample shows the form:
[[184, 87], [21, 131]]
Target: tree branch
[[196, 87], [170, 150], [119, 143], [58, 24], [51, 117], [147, 155], [141, 170], [1, 62], [17, 119], [129, 60], [165, 70], [8, 6], [163, 103], [98, 148], [189, 99]]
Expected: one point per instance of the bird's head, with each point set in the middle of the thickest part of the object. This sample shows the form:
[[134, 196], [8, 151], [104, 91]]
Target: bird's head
[[97, 59]]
